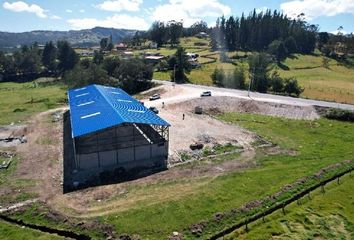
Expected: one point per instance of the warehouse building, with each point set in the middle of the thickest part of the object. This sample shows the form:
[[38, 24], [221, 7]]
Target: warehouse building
[[113, 132]]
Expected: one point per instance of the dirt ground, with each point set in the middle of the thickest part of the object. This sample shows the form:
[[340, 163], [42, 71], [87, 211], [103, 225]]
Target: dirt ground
[[40, 159], [186, 99]]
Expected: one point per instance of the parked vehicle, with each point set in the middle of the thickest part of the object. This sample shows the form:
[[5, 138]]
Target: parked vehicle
[[206, 94], [154, 97], [154, 109]]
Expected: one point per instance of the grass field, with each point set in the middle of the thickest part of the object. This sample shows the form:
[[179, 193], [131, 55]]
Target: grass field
[[325, 216], [155, 210], [21, 100], [14, 232], [335, 83]]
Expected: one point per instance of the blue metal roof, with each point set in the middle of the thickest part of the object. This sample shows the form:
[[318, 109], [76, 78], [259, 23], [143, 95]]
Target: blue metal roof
[[97, 107]]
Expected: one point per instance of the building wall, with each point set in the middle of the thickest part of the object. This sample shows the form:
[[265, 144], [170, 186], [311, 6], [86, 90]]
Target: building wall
[[123, 157], [122, 146]]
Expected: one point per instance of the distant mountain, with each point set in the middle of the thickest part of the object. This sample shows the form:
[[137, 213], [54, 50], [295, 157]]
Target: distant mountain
[[79, 38]]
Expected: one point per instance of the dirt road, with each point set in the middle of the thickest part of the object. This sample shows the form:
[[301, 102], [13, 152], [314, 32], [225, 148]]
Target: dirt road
[[191, 91]]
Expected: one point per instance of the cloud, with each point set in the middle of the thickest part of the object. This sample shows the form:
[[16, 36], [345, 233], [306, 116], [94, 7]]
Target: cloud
[[316, 8], [120, 5], [116, 21], [55, 17], [24, 7], [189, 10], [68, 10], [82, 10]]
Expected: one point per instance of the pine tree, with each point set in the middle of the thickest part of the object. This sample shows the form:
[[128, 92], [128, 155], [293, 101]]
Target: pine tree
[[49, 57]]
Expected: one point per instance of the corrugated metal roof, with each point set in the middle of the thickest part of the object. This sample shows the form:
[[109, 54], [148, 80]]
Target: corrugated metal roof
[[97, 107]]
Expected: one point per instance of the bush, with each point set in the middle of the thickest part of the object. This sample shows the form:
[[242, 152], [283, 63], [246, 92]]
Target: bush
[[339, 114], [276, 83], [292, 88]]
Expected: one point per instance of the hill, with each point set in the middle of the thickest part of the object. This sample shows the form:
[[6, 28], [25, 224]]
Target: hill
[[79, 38], [333, 83]]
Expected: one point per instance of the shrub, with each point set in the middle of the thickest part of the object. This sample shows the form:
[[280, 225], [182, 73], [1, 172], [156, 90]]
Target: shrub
[[276, 83], [291, 87], [339, 114]]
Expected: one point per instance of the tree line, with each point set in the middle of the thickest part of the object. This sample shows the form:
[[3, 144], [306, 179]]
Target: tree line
[[258, 30], [53, 60], [132, 75], [61, 61], [168, 32]]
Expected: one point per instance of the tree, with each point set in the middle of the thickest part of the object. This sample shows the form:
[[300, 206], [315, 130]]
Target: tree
[[110, 44], [291, 87], [276, 83], [256, 31], [28, 60], [110, 64], [214, 39], [290, 45], [198, 27], [104, 44], [7, 65], [137, 39], [49, 57], [157, 33], [98, 57], [133, 75], [218, 77], [174, 32], [182, 66], [277, 48], [67, 56], [323, 38], [238, 78], [80, 76], [259, 68]]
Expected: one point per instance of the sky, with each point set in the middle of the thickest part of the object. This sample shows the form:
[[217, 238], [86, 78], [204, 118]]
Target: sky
[[28, 15]]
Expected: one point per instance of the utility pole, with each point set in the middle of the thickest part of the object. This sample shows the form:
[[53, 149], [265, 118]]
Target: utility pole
[[174, 72]]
